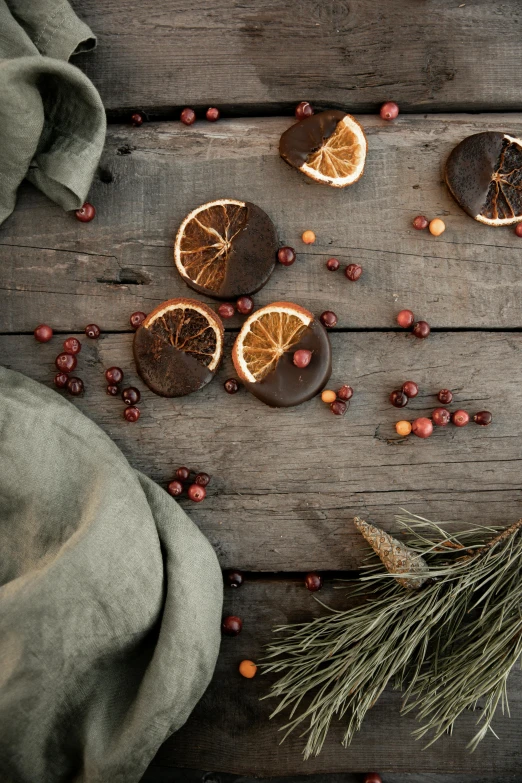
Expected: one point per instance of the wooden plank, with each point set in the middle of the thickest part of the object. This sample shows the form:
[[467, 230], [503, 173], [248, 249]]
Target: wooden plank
[[53, 268], [246, 742], [158, 774], [442, 55], [286, 483]]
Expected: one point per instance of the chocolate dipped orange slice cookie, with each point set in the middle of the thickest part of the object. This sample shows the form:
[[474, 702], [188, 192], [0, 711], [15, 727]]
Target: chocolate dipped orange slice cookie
[[178, 347], [226, 248], [268, 354]]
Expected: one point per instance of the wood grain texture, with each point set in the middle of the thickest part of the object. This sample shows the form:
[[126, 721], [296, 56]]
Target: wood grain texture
[[53, 268], [246, 742], [163, 774], [286, 483], [441, 55]]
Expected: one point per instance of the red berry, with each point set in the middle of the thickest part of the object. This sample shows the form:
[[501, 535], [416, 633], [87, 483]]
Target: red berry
[[410, 389], [231, 386], [75, 386], [65, 362], [313, 582], [92, 331], [196, 493], [518, 229], [420, 223], [114, 375], [353, 272], [175, 488], [183, 474], [333, 264], [389, 110], [422, 427], [302, 358], [286, 256], [338, 407], [136, 319], [445, 396], [345, 393], [113, 390], [43, 333], [202, 479], [131, 413], [328, 319], [131, 395], [483, 417], [212, 114], [226, 310], [245, 305], [86, 213], [398, 398], [72, 345], [137, 119], [372, 777], [405, 319], [188, 116], [460, 418], [60, 380], [234, 578], [231, 626], [421, 330], [303, 110], [441, 417]]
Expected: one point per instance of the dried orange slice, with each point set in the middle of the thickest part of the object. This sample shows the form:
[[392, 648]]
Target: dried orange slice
[[484, 176], [226, 248], [329, 147], [178, 347], [263, 354]]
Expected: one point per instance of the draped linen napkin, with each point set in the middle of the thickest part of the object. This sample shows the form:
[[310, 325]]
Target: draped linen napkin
[[110, 600], [52, 121]]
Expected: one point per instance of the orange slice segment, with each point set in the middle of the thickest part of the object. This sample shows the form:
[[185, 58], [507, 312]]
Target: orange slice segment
[[265, 336], [339, 161]]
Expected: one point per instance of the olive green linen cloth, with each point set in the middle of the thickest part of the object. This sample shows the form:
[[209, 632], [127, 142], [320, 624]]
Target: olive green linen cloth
[[52, 121], [110, 600]]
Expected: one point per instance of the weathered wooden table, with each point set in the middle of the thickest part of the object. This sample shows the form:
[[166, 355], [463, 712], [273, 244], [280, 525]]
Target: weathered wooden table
[[286, 483]]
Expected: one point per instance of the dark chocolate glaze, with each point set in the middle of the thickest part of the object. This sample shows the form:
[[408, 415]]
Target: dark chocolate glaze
[[166, 370], [470, 167], [288, 385], [251, 260], [304, 137]]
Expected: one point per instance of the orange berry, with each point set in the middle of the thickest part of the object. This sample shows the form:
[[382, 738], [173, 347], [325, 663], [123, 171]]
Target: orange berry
[[437, 227], [328, 396], [247, 669], [403, 428], [308, 237]]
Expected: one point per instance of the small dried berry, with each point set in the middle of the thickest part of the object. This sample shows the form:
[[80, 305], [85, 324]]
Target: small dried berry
[[389, 110], [43, 333], [313, 582], [245, 305], [338, 407], [420, 223], [398, 398], [196, 493], [345, 393], [328, 319], [403, 428], [460, 418], [137, 318], [328, 396], [188, 116], [422, 427], [405, 319], [302, 358], [66, 362], [372, 777], [60, 380], [72, 345], [75, 386], [353, 272], [86, 213], [308, 237], [286, 255], [445, 396], [247, 669], [231, 626], [202, 479], [175, 488], [421, 330], [132, 413], [410, 389], [114, 375], [137, 119], [518, 229], [234, 578], [441, 417], [131, 395], [483, 417], [231, 386], [303, 110], [437, 227], [212, 114], [333, 264], [226, 310], [183, 474], [92, 331], [113, 390]]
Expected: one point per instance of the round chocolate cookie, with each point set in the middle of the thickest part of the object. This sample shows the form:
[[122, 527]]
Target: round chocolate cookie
[[266, 357], [178, 347], [330, 147], [226, 248], [484, 176]]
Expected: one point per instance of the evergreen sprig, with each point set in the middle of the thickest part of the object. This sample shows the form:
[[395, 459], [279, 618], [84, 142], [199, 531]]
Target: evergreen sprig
[[447, 645]]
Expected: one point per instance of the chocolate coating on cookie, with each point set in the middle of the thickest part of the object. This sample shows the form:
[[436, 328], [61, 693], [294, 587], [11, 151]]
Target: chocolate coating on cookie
[[305, 137], [289, 385], [470, 167]]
